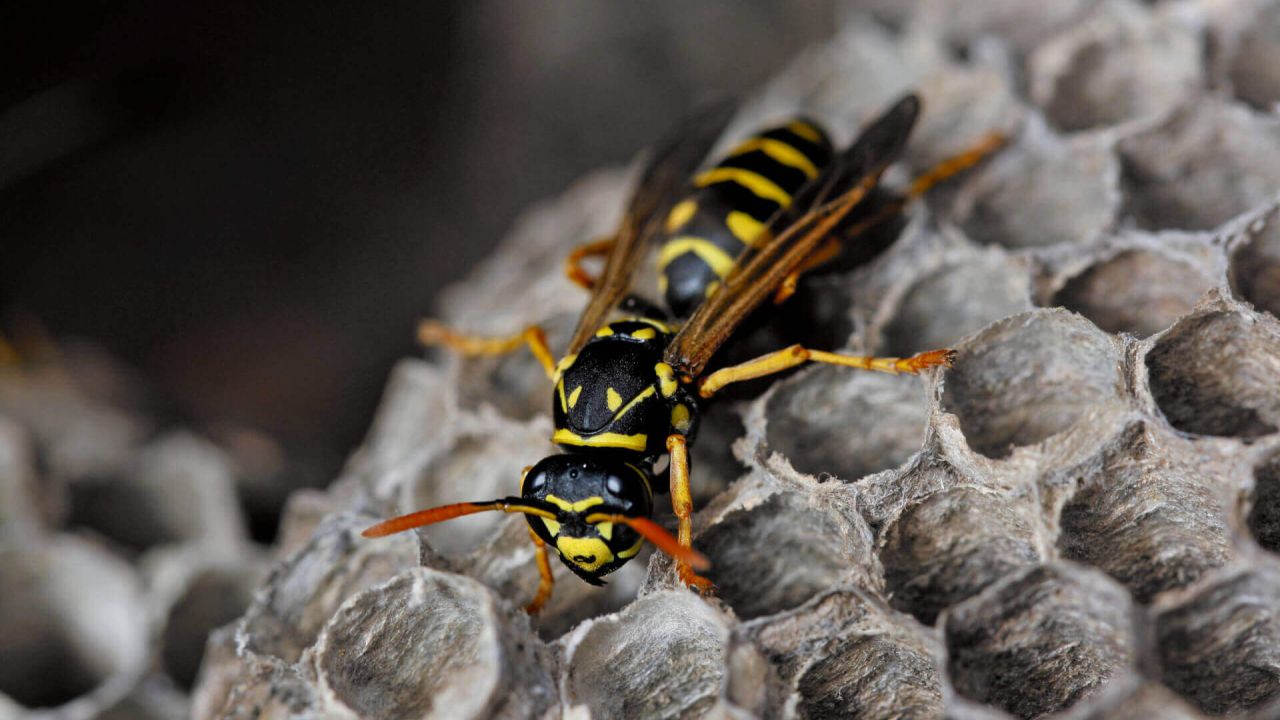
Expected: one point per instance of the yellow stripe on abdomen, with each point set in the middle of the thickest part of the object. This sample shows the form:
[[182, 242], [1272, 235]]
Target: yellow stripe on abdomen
[[713, 255], [779, 151], [758, 184]]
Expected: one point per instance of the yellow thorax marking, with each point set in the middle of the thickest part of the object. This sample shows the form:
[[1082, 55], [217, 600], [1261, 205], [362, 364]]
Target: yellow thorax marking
[[605, 331], [578, 506], [781, 152], [634, 401], [714, 256], [758, 184], [666, 379], [612, 399], [573, 396], [645, 334], [553, 527], [680, 214], [564, 405], [563, 365], [747, 229], [680, 417], [612, 440]]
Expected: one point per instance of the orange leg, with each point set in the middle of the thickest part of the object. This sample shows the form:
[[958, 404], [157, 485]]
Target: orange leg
[[546, 582], [431, 332], [682, 504], [573, 264], [787, 358], [946, 169]]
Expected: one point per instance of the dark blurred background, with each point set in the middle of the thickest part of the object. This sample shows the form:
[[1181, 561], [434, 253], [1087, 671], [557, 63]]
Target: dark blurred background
[[251, 203]]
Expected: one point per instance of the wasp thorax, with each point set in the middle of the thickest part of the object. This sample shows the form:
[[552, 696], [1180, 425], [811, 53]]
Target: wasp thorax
[[582, 489]]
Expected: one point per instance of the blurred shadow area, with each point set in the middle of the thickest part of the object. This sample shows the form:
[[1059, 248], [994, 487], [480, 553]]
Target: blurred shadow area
[[251, 203]]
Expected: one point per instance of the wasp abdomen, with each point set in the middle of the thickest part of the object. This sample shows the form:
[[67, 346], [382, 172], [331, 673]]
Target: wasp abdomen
[[728, 205]]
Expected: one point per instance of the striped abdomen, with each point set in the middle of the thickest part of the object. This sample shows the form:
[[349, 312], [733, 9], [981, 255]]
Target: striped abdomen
[[728, 205]]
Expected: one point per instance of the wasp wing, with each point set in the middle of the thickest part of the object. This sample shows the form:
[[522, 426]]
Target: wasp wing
[[665, 175], [793, 235]]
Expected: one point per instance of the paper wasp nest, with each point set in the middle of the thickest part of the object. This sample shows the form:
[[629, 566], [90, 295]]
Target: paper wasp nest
[[1081, 519]]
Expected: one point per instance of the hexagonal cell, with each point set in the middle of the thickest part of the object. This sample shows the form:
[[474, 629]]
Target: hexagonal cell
[[846, 655], [305, 589], [1220, 644], [1020, 25], [1041, 191], [846, 423], [957, 299], [212, 598], [1254, 67], [71, 625], [1140, 292], [775, 554], [1214, 373], [950, 545], [1142, 700], [1041, 640], [482, 463], [1255, 266], [1264, 511], [666, 655], [1209, 162], [370, 652], [1029, 377], [1123, 63], [1149, 516]]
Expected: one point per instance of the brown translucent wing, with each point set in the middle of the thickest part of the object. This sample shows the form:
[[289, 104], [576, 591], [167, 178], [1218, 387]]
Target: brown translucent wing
[[669, 168], [795, 234]]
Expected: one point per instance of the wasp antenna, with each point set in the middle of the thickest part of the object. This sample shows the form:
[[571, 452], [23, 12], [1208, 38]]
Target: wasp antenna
[[448, 512], [661, 539]]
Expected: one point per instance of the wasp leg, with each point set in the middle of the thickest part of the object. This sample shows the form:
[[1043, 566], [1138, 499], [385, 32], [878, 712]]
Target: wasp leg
[[431, 332], [546, 582], [573, 264], [944, 170], [787, 358], [682, 504]]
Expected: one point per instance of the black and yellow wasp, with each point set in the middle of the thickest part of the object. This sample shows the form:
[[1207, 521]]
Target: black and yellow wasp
[[627, 391]]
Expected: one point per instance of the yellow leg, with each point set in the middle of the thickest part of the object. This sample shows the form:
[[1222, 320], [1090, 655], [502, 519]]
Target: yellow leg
[[954, 165], [547, 581], [682, 504], [431, 332], [825, 253], [573, 264], [787, 358]]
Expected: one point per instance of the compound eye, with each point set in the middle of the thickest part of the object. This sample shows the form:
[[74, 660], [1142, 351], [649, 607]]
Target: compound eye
[[614, 485], [536, 483]]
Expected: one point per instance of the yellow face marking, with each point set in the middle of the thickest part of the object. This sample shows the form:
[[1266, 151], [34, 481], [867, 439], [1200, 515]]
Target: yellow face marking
[[747, 229], [605, 331], [573, 396], [577, 507], [553, 527], [631, 551], [806, 131], [589, 553], [712, 287], [612, 399], [781, 152], [680, 214], [716, 258], [645, 334], [758, 184], [666, 379], [609, 440], [680, 417], [605, 529]]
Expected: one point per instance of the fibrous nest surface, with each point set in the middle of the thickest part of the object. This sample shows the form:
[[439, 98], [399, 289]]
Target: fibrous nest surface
[[1080, 519]]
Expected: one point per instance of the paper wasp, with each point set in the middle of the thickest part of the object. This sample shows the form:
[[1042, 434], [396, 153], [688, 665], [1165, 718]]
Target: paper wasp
[[626, 392]]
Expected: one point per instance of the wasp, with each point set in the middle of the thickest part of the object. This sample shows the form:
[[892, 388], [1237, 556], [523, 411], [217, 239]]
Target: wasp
[[627, 392]]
